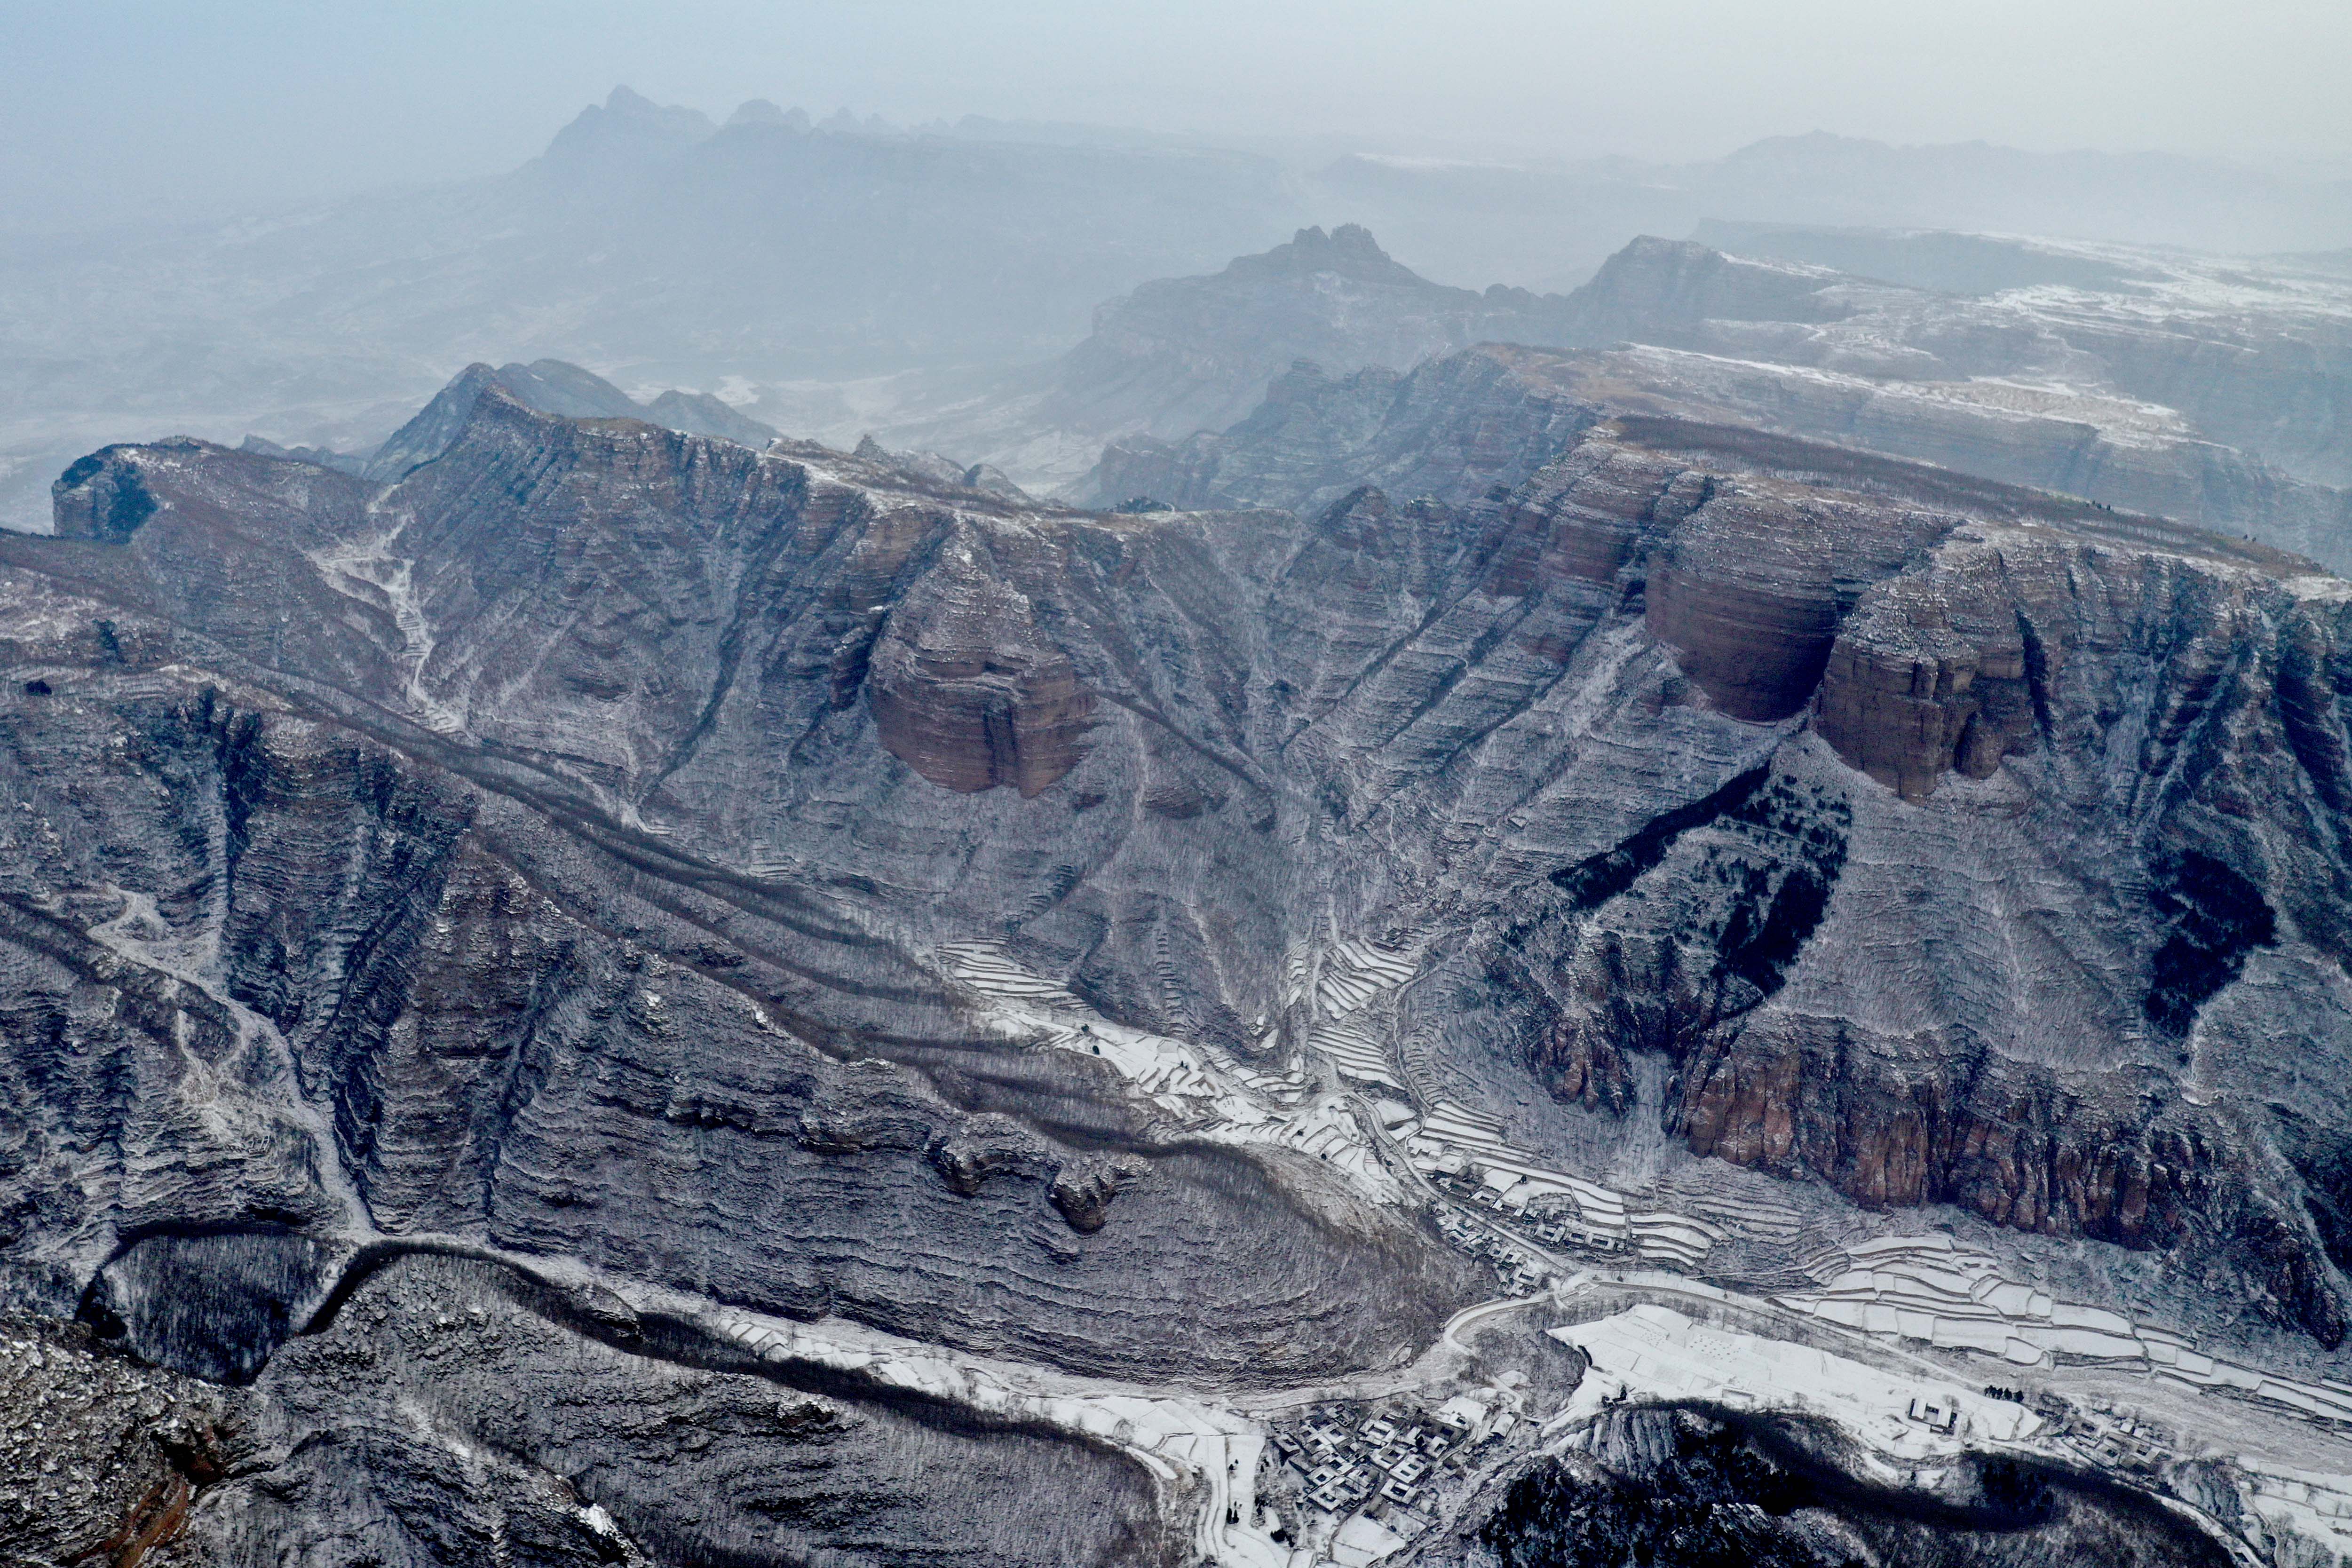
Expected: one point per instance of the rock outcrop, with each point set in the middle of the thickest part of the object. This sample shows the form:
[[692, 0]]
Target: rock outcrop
[[968, 692], [1680, 1488], [2133, 386], [1455, 429], [2156, 383], [1180, 356], [551, 386], [1459, 426], [528, 894], [1195, 354], [104, 1458]]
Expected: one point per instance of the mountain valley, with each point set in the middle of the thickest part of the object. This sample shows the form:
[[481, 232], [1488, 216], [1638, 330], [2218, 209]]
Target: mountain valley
[[794, 841], [790, 926]]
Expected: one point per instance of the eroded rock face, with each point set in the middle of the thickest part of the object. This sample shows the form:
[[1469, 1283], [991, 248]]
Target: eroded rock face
[[1909, 696], [2074, 672], [1938, 672], [505, 1041], [100, 1453], [1083, 1191], [452, 1411], [1452, 428], [2256, 368], [968, 692], [571, 887], [1753, 587], [1182, 355], [1457, 425]]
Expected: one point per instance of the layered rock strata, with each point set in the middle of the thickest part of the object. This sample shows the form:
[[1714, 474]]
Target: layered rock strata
[[549, 857], [1459, 426]]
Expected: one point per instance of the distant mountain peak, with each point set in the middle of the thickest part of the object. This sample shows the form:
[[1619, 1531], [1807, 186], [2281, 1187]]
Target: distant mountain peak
[[1649, 246], [1349, 248], [702, 413], [628, 123], [844, 122], [1181, 354], [556, 387], [1351, 239], [760, 112]]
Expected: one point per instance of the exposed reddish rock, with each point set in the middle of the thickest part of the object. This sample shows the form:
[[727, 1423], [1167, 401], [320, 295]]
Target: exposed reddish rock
[[968, 692], [1895, 1123], [2108, 663], [1751, 588], [1897, 695], [1591, 515], [1933, 673], [1587, 1069], [1512, 734]]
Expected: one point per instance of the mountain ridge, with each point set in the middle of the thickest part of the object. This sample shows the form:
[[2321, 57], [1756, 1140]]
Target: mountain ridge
[[794, 913]]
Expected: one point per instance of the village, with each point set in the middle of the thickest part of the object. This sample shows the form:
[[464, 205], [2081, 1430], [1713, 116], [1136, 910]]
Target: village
[[1389, 1463]]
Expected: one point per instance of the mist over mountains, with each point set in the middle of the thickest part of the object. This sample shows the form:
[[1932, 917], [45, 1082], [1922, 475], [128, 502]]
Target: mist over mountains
[[789, 840], [663, 249], [1575, 213]]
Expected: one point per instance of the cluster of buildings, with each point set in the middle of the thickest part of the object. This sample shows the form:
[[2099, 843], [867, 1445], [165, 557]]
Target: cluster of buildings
[[2117, 1437], [1520, 1271], [1462, 1153], [1387, 1463]]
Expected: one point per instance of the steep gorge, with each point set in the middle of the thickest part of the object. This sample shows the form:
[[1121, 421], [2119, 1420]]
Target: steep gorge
[[549, 855]]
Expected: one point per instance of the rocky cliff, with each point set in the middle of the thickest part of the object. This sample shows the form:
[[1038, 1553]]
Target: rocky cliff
[[1495, 413], [551, 386], [2175, 385], [1195, 354], [1181, 355], [544, 923], [2134, 350]]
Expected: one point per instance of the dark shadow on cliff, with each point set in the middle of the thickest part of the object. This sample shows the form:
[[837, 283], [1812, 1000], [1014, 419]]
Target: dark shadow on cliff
[[1708, 1487]]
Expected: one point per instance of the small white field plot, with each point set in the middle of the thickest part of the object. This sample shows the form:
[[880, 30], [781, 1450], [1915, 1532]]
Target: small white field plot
[[1930, 1289], [1350, 980], [1653, 1352], [1456, 1146], [1674, 1238], [1758, 1219], [987, 966], [1203, 1088], [1179, 1078], [1192, 1445]]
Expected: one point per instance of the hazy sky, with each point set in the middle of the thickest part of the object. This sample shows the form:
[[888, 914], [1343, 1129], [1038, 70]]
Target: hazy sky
[[112, 106]]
